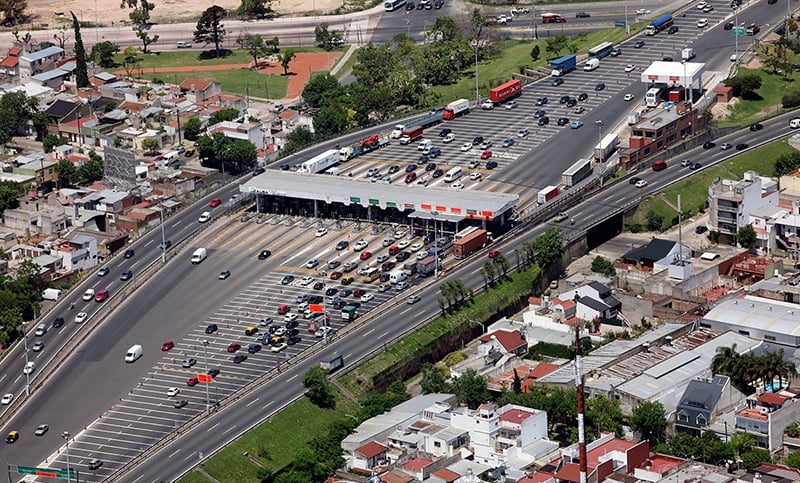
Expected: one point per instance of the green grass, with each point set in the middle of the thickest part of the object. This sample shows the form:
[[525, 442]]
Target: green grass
[[773, 88], [694, 190], [180, 58], [233, 81], [273, 443], [351, 61]]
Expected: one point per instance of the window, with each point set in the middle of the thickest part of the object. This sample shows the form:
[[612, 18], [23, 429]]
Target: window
[[437, 444], [769, 337], [671, 138], [647, 151], [701, 420], [683, 417], [745, 332]]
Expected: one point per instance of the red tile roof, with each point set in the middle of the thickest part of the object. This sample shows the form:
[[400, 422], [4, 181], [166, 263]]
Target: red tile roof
[[509, 339], [416, 464], [772, 398], [132, 106], [446, 475], [10, 61], [569, 472], [199, 84], [15, 51], [516, 416], [371, 449], [593, 456], [396, 476]]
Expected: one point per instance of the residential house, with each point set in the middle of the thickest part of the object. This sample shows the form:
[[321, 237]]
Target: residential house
[[9, 66], [702, 401], [604, 456], [730, 202], [35, 220], [766, 416], [40, 61], [369, 455], [245, 131], [656, 254], [198, 90], [593, 301], [42, 168], [80, 253], [528, 373], [503, 342], [53, 78]]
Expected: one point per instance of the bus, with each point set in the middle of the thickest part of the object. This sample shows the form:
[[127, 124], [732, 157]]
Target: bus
[[392, 5], [552, 18], [653, 96], [602, 50]]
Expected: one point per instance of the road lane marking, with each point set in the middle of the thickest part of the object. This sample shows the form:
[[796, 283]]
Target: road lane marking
[[252, 402], [368, 332], [348, 355], [229, 429], [142, 476], [176, 452], [149, 242], [384, 335], [420, 313], [176, 223], [212, 428], [268, 404]]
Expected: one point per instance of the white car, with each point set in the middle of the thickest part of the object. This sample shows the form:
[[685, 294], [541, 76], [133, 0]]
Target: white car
[[321, 231], [7, 398], [88, 294], [413, 299], [289, 318], [703, 22], [325, 329], [279, 346], [795, 123], [204, 217], [360, 245], [708, 8], [641, 183], [418, 246], [173, 391], [403, 244], [307, 280], [630, 68], [30, 366], [457, 186], [511, 104], [312, 263], [523, 132], [367, 297], [475, 176], [449, 138], [701, 5], [466, 147], [421, 255], [642, 11], [474, 164], [628, 97], [81, 317]]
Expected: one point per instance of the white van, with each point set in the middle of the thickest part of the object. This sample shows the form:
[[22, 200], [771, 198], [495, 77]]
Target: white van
[[794, 123], [591, 65], [170, 157], [397, 276], [51, 294], [452, 175], [134, 353], [425, 143], [198, 256]]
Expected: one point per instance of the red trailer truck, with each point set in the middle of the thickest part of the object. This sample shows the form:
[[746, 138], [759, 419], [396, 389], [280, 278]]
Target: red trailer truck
[[505, 91], [411, 134], [463, 247]]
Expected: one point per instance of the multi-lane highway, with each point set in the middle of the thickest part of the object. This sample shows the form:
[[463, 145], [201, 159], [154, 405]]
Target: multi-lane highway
[[96, 396]]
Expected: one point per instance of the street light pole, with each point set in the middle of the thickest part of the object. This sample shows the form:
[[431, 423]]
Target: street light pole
[[27, 372], [163, 236], [65, 435], [627, 26], [205, 363], [599, 124], [686, 91], [477, 92], [435, 244]]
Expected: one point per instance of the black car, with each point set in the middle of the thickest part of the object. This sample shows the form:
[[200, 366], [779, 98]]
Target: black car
[[434, 152], [756, 126], [709, 144], [582, 15], [410, 6], [477, 140], [402, 256], [444, 132], [438, 4], [673, 30], [557, 82], [540, 101], [667, 58], [600, 86], [772, 2], [293, 340], [58, 322], [258, 171], [287, 279], [728, 25], [126, 275], [639, 44], [562, 121], [538, 113], [634, 180], [572, 102], [213, 372], [264, 254], [544, 120], [331, 292], [284, 167], [315, 299], [420, 160], [695, 166], [253, 348], [165, 245], [239, 358], [741, 146], [430, 167], [413, 167], [491, 164], [211, 328], [583, 96], [393, 169], [128, 254], [564, 99], [342, 245], [437, 173], [700, 229], [420, 6]]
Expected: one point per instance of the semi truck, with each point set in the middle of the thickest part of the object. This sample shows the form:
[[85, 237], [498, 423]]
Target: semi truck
[[397, 132], [606, 147], [320, 162], [659, 24], [430, 119], [349, 313], [332, 364], [553, 18], [455, 109], [427, 266], [576, 173], [563, 65], [677, 94], [464, 247], [411, 134], [547, 194], [362, 147], [506, 91]]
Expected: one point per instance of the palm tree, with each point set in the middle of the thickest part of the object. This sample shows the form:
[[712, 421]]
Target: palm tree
[[517, 255], [482, 271]]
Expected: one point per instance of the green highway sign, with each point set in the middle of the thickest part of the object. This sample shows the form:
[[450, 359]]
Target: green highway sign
[[49, 472], [738, 30]]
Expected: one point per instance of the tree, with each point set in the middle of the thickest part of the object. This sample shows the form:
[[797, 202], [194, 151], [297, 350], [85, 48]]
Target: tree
[[51, 141], [650, 420], [255, 8], [787, 163], [140, 16], [81, 73], [191, 128], [103, 53], [319, 389], [330, 121], [92, 170], [556, 45], [321, 90], [516, 384], [40, 121], [254, 45], [746, 237], [9, 198], [298, 139], [603, 265], [150, 145], [286, 58], [61, 37], [750, 83], [604, 414], [448, 27], [273, 44], [549, 247], [535, 53], [470, 389], [654, 220], [228, 114], [67, 172], [16, 112], [793, 459], [209, 28], [755, 457], [433, 379], [130, 57], [13, 11]]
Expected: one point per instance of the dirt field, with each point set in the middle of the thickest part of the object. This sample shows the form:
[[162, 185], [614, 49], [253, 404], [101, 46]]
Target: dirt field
[[172, 11]]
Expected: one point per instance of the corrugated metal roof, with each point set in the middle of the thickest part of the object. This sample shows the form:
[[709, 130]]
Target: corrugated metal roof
[[758, 313]]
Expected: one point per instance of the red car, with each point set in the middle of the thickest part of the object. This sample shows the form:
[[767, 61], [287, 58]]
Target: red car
[[167, 345], [493, 253], [359, 292], [336, 275], [319, 285], [486, 154], [192, 381], [365, 255], [387, 266], [234, 347], [215, 202], [101, 296]]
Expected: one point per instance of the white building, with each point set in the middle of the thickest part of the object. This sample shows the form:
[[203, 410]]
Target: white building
[[245, 131], [730, 202]]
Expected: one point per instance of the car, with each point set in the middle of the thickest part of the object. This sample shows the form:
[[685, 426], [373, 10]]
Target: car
[[41, 429], [560, 217], [278, 347], [725, 146], [449, 138], [188, 362], [81, 317], [539, 113], [333, 264], [702, 23], [563, 99], [486, 154], [557, 82], [7, 398], [673, 30], [41, 330], [372, 172], [211, 328], [543, 121], [264, 254], [630, 68], [493, 254], [420, 6], [349, 266], [317, 286], [638, 44], [165, 245], [523, 132], [403, 244], [477, 140], [628, 97], [579, 110], [342, 245], [540, 101], [708, 8], [103, 271], [486, 145], [709, 144], [382, 258], [695, 166], [239, 358], [213, 372], [253, 348], [287, 279], [126, 275], [571, 102], [180, 403], [582, 15], [430, 166], [204, 217], [360, 245], [634, 180], [466, 147], [583, 96], [600, 86], [366, 297], [128, 253], [38, 346], [421, 255], [224, 274], [365, 255], [701, 5], [393, 169], [641, 183], [562, 121], [167, 345], [336, 275], [333, 290], [173, 391], [321, 231], [742, 146], [475, 176], [324, 330], [311, 263], [615, 52], [686, 163], [88, 294], [410, 6], [667, 58], [457, 186], [415, 247], [413, 167], [445, 131], [30, 366], [728, 25], [12, 437], [508, 142], [576, 124], [233, 347], [192, 381], [58, 322], [700, 229], [101, 296], [491, 164], [756, 126], [214, 202]]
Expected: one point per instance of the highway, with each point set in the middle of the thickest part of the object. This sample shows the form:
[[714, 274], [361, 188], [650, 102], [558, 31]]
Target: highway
[[90, 387]]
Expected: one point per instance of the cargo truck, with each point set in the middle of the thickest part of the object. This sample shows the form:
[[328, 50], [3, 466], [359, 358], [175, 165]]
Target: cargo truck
[[563, 65], [430, 119], [332, 364], [362, 147], [659, 24], [464, 247], [676, 94], [455, 109], [687, 54], [411, 134], [576, 173], [397, 132], [349, 313], [606, 147], [426, 267], [547, 194], [319, 163], [506, 91]]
